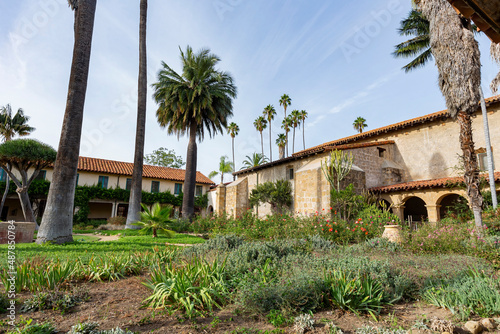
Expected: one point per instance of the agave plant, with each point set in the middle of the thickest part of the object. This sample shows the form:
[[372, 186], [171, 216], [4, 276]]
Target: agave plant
[[156, 219]]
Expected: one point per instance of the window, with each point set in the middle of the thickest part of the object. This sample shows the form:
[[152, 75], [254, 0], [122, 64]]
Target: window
[[128, 184], [178, 188], [290, 173], [155, 186], [381, 152], [3, 175], [199, 191], [103, 182], [77, 178], [41, 175], [482, 160]]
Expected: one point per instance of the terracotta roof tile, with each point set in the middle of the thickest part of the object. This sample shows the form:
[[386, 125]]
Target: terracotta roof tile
[[125, 168], [423, 184], [389, 128]]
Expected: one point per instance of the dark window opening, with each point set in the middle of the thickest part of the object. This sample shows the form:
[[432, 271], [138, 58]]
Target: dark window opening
[[103, 182], [290, 174], [178, 188], [381, 152], [128, 184], [41, 175], [155, 186], [199, 191]]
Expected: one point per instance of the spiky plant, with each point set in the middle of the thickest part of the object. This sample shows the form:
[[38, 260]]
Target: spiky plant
[[156, 219]]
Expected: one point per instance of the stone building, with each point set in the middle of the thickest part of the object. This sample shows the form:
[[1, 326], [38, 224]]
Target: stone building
[[111, 174], [412, 165]]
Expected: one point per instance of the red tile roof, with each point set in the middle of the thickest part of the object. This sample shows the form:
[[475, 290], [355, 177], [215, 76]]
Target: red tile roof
[[424, 184], [440, 115], [95, 165]]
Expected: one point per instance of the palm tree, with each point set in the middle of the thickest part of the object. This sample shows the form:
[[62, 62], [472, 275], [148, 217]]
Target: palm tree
[[134, 203], [269, 113], [281, 142], [233, 129], [295, 120], [286, 124], [303, 116], [359, 124], [418, 46], [457, 57], [199, 100], [225, 167], [9, 128], [286, 101], [156, 219], [57, 221], [260, 124], [254, 160]]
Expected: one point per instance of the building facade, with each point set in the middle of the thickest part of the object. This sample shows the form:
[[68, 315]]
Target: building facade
[[411, 165], [112, 174]]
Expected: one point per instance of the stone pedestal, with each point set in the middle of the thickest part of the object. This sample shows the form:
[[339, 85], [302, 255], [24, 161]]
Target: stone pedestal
[[393, 233], [20, 232]]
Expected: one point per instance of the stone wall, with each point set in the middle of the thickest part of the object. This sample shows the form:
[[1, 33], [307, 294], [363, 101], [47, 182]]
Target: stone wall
[[237, 197]]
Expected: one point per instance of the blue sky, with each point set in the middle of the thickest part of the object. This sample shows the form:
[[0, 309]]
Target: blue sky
[[334, 61]]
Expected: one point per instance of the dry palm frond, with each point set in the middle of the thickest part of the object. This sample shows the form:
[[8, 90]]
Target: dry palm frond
[[73, 4], [495, 55], [457, 56]]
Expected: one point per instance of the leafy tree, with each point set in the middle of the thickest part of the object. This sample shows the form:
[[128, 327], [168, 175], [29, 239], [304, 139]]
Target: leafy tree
[[260, 124], [286, 101], [136, 186], [337, 168], [198, 100], [278, 194], [156, 219], [417, 47], [303, 116], [233, 129], [254, 160], [359, 124], [281, 142], [23, 155], [286, 124], [164, 157], [269, 113], [57, 221], [225, 167], [10, 126], [295, 118]]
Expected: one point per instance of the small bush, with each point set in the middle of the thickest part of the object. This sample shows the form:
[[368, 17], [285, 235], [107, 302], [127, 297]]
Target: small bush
[[117, 220], [4, 303], [92, 328], [57, 301], [277, 318]]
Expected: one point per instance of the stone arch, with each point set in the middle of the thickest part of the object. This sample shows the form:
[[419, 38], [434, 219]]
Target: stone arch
[[385, 204], [416, 208], [210, 210], [453, 203]]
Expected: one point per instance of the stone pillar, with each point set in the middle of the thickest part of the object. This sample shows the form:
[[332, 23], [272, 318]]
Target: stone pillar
[[399, 210], [221, 199], [433, 213]]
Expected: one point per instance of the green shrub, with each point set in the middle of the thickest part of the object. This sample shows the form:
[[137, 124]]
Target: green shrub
[[474, 293], [92, 328], [4, 303], [277, 318], [54, 300], [25, 326]]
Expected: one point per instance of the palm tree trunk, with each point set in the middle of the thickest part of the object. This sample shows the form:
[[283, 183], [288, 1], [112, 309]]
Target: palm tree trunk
[[491, 167], [57, 222], [262, 143], [471, 175], [190, 178], [293, 142], [134, 206], [270, 144], [304, 132], [5, 193], [234, 166]]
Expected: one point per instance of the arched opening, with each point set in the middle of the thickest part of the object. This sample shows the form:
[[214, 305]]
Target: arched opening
[[415, 210], [210, 210], [384, 205], [456, 207]]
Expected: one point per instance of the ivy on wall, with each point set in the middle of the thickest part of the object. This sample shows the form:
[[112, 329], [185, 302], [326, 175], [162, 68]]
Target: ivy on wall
[[39, 189]]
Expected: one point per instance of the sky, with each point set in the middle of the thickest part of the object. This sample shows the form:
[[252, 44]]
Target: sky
[[333, 58]]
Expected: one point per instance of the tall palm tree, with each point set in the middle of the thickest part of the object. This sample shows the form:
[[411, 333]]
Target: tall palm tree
[[260, 124], [57, 221], [457, 57], [417, 47], [9, 128], [225, 167], [256, 159], [233, 129], [269, 113], [303, 116], [286, 101], [286, 124], [134, 203], [359, 124], [281, 142], [295, 120], [197, 101]]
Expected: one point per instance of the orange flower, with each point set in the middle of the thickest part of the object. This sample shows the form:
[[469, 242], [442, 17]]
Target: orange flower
[[330, 229], [366, 233], [336, 231]]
